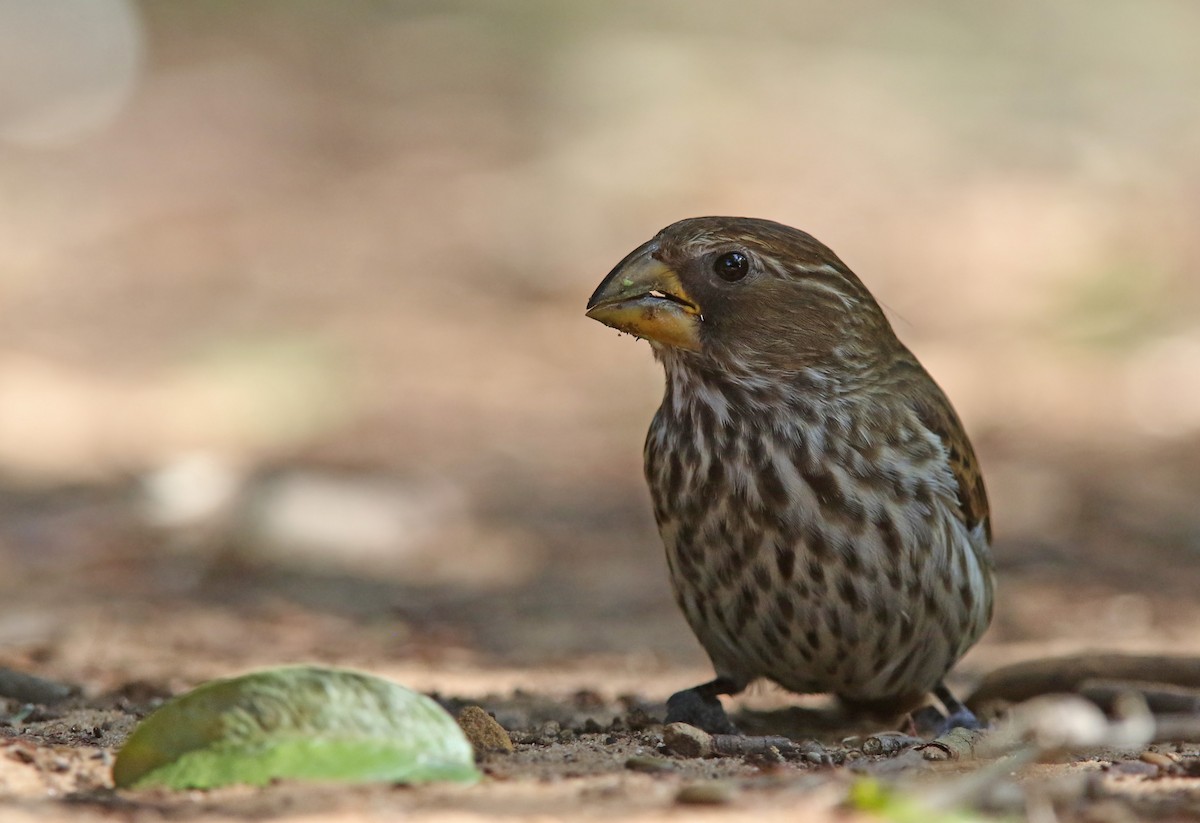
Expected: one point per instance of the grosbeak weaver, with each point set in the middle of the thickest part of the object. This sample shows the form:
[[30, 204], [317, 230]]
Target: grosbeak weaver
[[824, 517]]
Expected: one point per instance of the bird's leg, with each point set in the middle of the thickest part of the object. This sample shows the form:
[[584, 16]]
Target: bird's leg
[[699, 706], [958, 716]]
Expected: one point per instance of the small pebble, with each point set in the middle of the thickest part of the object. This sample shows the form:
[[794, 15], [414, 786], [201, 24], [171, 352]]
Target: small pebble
[[1162, 761], [956, 744], [710, 793], [934, 752], [888, 744], [550, 728], [485, 734], [649, 765], [686, 740], [636, 719], [1133, 768]]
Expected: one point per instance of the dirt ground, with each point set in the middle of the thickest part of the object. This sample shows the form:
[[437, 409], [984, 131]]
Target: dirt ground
[[295, 369], [575, 666]]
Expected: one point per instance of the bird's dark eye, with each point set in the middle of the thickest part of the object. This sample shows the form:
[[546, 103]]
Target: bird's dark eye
[[732, 266]]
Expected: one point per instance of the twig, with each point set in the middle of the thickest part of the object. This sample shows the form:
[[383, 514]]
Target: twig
[[1160, 698], [1022, 681]]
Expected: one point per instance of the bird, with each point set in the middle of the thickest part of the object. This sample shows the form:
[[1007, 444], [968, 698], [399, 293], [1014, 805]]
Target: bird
[[823, 512]]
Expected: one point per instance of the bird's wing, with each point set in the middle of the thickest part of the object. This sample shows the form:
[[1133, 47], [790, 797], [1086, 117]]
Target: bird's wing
[[936, 414]]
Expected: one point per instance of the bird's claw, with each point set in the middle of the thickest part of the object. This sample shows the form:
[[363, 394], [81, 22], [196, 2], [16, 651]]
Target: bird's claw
[[931, 724]]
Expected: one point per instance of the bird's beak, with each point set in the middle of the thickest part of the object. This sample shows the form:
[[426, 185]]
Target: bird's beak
[[642, 296]]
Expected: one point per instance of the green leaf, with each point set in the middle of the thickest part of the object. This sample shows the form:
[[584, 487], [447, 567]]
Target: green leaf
[[871, 796], [297, 722]]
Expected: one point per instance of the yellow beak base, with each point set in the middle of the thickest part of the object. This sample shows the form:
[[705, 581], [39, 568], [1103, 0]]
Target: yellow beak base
[[643, 296]]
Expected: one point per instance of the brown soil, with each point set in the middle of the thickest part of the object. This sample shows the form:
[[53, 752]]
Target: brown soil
[[584, 722], [294, 369]]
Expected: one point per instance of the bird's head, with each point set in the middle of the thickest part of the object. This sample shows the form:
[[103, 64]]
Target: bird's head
[[746, 291]]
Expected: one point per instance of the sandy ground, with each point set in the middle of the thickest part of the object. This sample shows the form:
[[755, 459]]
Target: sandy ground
[[294, 368], [583, 713]]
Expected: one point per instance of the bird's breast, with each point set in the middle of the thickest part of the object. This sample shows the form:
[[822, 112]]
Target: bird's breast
[[804, 550]]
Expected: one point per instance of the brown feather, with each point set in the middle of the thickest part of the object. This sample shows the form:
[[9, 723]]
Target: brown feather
[[936, 414], [816, 533]]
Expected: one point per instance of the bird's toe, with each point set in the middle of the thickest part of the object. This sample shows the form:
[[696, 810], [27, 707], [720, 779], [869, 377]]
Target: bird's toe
[[699, 710]]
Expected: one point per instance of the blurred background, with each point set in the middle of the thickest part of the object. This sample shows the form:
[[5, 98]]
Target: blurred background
[[294, 362]]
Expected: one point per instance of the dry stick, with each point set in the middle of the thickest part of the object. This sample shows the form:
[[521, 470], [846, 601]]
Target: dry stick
[[1161, 699], [1022, 681], [688, 741], [1177, 728], [736, 745]]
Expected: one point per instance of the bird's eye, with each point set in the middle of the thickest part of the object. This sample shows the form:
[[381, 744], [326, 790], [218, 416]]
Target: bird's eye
[[732, 267]]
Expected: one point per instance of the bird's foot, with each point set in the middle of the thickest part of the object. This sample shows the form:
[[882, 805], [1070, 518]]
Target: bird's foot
[[962, 718], [957, 716], [930, 723], [700, 708]]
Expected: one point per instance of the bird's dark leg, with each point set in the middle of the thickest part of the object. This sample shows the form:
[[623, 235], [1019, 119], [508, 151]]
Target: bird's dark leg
[[699, 706], [958, 716]]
